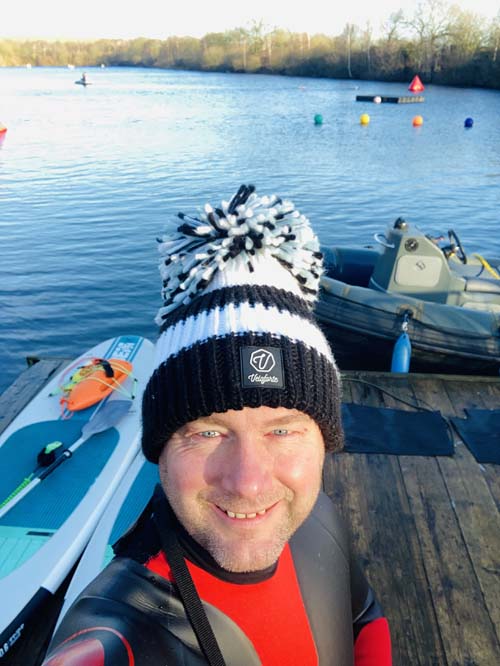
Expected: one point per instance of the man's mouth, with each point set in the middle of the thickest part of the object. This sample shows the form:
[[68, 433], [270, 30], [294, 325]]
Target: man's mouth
[[244, 516]]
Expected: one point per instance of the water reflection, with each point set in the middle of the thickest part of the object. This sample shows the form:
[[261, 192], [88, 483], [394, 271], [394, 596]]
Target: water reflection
[[90, 177]]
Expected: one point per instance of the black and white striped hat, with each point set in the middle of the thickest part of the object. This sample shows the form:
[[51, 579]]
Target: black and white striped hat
[[237, 328]]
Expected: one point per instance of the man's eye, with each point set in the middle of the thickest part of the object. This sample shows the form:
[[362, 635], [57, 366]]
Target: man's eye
[[209, 433], [280, 431]]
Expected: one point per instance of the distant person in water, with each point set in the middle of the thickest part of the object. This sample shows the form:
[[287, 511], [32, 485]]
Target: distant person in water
[[239, 559], [84, 78]]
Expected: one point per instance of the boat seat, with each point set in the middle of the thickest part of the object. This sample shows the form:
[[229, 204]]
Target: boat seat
[[352, 266], [482, 286]]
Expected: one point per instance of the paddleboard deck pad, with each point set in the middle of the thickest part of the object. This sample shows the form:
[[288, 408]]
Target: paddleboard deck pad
[[44, 533]]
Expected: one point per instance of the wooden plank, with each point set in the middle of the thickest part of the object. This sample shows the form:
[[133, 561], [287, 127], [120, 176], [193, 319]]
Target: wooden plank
[[384, 539], [399, 394], [453, 568], [463, 536], [26, 386], [371, 491], [490, 394], [490, 399]]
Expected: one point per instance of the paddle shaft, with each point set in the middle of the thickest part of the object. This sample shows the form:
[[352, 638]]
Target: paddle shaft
[[44, 473], [102, 419]]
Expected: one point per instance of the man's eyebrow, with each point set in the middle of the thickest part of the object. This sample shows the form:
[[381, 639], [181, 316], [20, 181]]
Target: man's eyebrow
[[289, 418], [203, 422]]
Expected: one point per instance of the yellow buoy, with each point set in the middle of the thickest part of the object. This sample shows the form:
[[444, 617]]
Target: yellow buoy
[[364, 119], [417, 121]]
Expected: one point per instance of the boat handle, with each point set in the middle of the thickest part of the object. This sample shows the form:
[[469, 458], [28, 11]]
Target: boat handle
[[380, 238]]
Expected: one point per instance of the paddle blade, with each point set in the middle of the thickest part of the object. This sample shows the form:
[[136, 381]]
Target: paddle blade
[[106, 417]]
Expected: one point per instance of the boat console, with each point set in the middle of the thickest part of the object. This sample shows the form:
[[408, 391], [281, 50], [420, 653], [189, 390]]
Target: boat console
[[414, 264]]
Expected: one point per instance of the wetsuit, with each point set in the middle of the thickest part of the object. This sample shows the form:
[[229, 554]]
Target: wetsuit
[[313, 607]]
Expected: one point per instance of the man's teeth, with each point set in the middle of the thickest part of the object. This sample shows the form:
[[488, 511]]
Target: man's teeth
[[242, 516]]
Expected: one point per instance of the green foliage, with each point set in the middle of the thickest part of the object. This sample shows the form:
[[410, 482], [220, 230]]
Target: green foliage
[[441, 43]]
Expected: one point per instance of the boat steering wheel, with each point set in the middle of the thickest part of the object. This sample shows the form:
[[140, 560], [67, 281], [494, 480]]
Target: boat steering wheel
[[455, 247]]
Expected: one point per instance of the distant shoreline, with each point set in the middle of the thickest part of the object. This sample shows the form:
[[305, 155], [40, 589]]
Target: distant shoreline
[[444, 57]]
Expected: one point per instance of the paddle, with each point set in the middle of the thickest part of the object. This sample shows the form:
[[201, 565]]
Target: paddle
[[103, 418]]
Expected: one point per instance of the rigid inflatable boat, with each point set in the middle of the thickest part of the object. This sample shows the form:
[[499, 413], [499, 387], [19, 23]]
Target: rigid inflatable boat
[[445, 303]]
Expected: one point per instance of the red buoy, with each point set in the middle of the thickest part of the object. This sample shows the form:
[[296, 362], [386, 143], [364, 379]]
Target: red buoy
[[416, 85]]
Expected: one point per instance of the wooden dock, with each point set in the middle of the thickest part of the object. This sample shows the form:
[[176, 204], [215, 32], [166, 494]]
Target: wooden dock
[[426, 529], [385, 99]]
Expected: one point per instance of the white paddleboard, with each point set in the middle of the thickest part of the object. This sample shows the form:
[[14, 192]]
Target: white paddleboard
[[43, 535], [124, 508]]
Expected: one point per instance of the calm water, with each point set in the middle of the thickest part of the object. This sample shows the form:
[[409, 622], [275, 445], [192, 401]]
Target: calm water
[[90, 177]]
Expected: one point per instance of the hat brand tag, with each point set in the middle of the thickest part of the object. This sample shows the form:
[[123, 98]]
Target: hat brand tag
[[261, 367]]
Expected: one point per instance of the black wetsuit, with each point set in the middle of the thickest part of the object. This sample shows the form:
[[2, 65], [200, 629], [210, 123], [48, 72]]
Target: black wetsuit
[[314, 607]]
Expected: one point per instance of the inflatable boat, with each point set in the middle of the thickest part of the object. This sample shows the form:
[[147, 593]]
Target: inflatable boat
[[413, 288]]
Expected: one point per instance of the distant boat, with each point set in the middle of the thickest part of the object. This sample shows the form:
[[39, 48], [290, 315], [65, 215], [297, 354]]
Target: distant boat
[[83, 81], [28, 65], [71, 66]]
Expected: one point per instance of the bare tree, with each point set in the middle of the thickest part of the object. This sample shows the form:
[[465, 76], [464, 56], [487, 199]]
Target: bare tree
[[494, 36], [393, 25], [431, 23], [367, 43], [349, 33]]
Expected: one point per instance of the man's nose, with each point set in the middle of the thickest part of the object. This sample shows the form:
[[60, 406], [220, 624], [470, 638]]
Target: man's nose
[[247, 469]]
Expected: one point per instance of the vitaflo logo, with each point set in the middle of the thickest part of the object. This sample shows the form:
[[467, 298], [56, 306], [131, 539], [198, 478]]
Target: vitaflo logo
[[261, 367], [262, 360]]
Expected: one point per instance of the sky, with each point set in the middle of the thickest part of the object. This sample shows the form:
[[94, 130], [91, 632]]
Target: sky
[[114, 19]]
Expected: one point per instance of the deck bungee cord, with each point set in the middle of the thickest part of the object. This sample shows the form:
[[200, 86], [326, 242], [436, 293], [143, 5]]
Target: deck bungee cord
[[93, 381]]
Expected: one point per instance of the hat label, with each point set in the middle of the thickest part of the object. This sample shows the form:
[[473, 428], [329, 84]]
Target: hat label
[[261, 366]]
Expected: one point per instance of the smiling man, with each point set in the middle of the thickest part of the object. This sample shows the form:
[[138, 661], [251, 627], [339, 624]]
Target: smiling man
[[242, 482], [239, 558]]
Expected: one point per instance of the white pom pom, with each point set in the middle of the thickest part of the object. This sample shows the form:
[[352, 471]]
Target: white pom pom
[[231, 237]]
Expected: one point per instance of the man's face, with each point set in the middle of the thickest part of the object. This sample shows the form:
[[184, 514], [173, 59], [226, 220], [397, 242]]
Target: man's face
[[242, 482]]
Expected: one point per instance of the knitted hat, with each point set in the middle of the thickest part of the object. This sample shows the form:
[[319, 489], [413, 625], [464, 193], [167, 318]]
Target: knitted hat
[[237, 329]]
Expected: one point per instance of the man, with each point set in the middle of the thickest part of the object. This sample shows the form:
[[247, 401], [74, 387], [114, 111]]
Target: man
[[238, 558]]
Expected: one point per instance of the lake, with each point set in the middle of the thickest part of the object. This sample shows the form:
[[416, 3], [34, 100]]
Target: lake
[[89, 177]]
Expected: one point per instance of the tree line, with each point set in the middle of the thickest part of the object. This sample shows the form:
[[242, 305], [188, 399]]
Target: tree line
[[442, 43]]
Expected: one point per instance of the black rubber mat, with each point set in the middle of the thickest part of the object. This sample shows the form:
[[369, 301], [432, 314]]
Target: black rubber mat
[[481, 433], [397, 432]]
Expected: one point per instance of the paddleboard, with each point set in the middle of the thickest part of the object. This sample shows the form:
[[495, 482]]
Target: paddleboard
[[43, 535], [83, 83], [122, 511]]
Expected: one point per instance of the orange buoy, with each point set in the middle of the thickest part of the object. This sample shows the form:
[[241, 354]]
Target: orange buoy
[[416, 85], [94, 381], [417, 121], [3, 129]]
